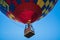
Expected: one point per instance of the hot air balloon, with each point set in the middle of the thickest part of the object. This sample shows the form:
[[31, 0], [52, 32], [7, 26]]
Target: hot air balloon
[[26, 11]]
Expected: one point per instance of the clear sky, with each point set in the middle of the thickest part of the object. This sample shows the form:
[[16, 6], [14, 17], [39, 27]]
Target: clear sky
[[48, 28]]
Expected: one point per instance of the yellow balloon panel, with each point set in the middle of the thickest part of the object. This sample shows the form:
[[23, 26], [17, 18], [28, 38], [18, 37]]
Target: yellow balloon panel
[[46, 6]]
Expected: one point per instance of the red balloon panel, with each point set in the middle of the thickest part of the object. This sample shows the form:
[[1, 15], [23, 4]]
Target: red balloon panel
[[27, 11]]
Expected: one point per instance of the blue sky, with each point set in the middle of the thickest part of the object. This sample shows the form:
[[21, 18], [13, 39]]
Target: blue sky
[[48, 28]]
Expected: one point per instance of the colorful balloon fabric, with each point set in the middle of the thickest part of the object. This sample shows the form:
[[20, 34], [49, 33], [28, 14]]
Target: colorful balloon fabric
[[26, 10]]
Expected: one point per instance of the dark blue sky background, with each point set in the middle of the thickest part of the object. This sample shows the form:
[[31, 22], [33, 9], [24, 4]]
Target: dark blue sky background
[[48, 28]]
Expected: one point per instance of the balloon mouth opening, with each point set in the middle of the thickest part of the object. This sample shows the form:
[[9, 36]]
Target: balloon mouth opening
[[26, 16]]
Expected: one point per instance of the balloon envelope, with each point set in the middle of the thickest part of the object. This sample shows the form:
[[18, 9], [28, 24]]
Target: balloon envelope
[[25, 10]]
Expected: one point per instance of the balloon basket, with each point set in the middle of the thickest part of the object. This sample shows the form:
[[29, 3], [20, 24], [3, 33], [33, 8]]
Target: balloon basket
[[29, 32]]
